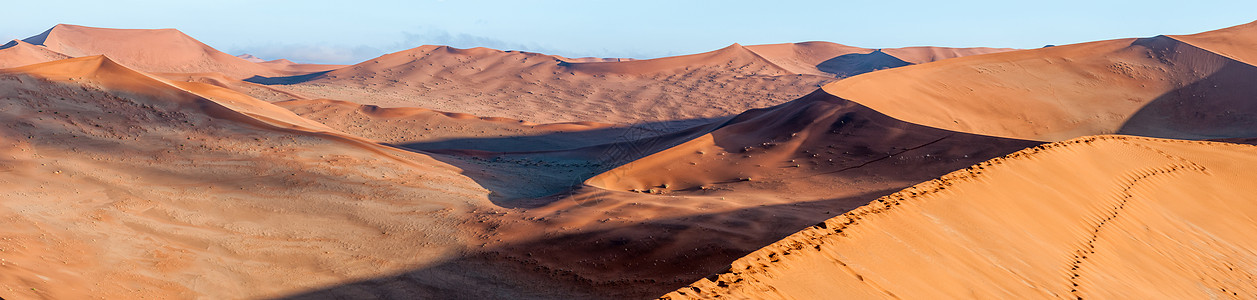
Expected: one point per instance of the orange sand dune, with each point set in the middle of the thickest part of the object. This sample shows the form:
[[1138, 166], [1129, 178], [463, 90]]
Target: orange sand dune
[[545, 89], [803, 58], [734, 58], [258, 91], [18, 53], [1236, 42], [151, 50], [154, 50], [118, 184], [1160, 86], [296, 68], [816, 141], [1094, 217], [418, 125], [920, 55], [831, 59]]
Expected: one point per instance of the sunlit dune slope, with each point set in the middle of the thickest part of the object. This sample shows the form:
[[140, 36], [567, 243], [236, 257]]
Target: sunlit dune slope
[[1159, 87], [1096, 217]]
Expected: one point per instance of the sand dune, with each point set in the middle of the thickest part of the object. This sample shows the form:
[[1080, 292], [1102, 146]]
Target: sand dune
[[17, 53], [920, 55], [547, 89], [816, 141], [402, 126], [1159, 86], [1235, 42], [1145, 218], [290, 67], [118, 184], [831, 59], [258, 91], [152, 50]]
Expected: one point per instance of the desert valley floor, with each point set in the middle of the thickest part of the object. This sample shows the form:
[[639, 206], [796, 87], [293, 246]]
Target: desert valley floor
[[138, 163]]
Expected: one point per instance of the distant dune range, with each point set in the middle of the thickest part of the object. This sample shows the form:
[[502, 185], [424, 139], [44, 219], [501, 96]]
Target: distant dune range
[[477, 173], [545, 88]]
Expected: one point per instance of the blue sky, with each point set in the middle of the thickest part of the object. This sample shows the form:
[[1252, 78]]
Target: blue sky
[[353, 31]]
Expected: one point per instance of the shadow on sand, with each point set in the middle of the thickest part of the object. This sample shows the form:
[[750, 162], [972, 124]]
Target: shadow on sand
[[525, 171], [285, 80], [1221, 105], [848, 65], [629, 261]]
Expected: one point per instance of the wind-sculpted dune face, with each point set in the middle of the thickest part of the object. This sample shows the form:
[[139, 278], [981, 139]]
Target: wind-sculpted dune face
[[1094, 217], [1159, 86]]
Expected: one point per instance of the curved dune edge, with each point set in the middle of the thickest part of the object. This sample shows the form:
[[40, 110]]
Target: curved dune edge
[[1100, 216]]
